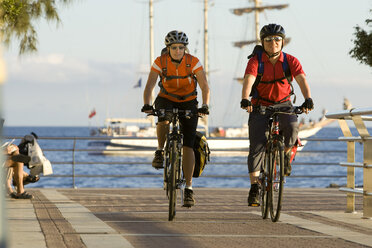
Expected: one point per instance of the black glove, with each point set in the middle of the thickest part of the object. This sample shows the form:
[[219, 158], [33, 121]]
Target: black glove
[[244, 103], [147, 107], [204, 109], [308, 104]]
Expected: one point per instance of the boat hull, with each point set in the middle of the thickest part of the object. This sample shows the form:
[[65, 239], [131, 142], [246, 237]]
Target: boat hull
[[147, 146], [219, 146]]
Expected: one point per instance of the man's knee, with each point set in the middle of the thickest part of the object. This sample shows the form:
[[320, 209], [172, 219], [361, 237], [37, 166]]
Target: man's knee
[[291, 135], [188, 150]]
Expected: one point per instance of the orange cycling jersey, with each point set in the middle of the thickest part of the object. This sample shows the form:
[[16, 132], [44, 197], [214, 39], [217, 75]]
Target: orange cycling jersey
[[179, 83]]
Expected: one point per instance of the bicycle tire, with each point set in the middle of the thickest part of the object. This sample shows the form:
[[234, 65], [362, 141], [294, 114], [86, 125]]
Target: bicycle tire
[[264, 188], [167, 170], [276, 179], [172, 180]]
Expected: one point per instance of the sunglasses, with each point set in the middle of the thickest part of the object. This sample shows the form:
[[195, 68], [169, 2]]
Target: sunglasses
[[174, 48], [275, 38]]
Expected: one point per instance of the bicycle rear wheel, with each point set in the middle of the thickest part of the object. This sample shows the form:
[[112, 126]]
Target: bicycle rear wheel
[[172, 187], [264, 188], [276, 180]]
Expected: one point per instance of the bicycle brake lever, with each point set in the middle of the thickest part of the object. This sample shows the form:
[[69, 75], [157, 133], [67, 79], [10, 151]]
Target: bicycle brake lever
[[262, 111], [188, 114], [298, 110]]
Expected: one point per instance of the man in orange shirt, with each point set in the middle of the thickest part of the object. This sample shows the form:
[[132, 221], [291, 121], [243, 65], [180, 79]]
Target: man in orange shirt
[[179, 74]]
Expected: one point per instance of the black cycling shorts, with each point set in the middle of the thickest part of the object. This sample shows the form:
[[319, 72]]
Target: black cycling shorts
[[188, 126], [259, 131]]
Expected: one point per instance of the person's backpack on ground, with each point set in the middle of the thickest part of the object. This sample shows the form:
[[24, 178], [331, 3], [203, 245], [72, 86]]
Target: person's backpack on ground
[[38, 162]]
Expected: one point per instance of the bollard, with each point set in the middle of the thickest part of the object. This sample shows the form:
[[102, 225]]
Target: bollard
[[367, 159], [350, 178], [367, 182]]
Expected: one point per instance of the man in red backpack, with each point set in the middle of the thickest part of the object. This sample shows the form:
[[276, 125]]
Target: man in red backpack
[[179, 74], [267, 80]]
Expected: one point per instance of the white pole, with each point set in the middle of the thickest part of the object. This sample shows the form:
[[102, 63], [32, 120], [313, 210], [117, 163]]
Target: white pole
[[3, 219], [151, 33], [257, 21], [151, 17], [206, 65]]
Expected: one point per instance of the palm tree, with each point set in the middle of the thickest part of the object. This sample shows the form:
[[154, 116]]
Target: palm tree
[[17, 19]]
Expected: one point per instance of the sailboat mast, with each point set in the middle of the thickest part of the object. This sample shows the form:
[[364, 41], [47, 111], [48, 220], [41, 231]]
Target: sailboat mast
[[151, 32], [206, 65], [257, 20], [151, 50], [256, 9]]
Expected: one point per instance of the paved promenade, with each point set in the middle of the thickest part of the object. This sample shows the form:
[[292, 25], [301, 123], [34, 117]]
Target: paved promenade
[[137, 218]]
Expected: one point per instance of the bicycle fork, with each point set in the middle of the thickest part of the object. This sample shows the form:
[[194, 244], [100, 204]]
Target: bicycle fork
[[180, 178]]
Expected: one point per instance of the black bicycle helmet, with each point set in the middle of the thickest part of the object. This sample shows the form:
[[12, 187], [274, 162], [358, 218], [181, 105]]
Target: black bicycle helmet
[[176, 36], [272, 29]]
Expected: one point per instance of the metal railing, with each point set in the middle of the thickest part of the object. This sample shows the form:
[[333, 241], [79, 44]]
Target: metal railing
[[357, 116], [75, 147]]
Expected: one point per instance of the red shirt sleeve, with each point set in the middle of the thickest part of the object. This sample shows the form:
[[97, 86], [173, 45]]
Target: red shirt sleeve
[[252, 66], [294, 65]]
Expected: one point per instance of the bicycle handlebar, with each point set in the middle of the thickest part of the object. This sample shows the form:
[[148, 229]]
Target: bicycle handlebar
[[290, 110], [180, 112]]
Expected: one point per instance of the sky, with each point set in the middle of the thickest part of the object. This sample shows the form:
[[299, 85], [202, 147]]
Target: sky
[[101, 49]]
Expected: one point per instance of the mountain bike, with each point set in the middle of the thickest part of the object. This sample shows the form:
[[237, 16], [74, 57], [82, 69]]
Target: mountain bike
[[272, 176], [173, 173]]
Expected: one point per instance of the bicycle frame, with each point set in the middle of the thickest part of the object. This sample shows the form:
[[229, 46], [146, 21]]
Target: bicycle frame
[[174, 139], [276, 176]]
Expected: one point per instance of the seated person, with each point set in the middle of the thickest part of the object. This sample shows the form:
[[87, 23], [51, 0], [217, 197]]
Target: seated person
[[27, 178], [14, 164]]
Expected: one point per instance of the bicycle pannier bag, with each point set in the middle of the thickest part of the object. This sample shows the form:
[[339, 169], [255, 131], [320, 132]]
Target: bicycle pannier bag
[[202, 152], [294, 149]]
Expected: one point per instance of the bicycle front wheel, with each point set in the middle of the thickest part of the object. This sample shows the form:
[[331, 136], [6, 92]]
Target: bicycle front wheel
[[276, 180], [172, 187], [264, 188]]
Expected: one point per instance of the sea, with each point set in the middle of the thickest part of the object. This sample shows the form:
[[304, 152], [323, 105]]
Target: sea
[[316, 166]]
